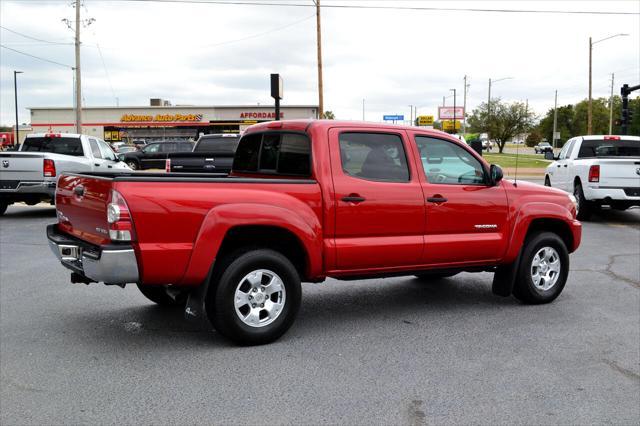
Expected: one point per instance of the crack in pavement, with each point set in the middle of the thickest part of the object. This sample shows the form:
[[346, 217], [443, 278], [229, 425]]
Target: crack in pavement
[[610, 273], [627, 373]]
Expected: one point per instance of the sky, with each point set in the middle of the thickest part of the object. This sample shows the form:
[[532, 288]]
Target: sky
[[222, 54]]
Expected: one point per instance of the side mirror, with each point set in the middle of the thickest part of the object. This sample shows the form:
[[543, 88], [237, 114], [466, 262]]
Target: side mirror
[[496, 174], [548, 155]]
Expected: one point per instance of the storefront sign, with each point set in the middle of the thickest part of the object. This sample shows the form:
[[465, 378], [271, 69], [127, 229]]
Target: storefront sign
[[260, 115], [132, 118]]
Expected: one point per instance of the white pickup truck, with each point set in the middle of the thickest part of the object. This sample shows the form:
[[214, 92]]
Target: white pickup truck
[[599, 170], [30, 174]]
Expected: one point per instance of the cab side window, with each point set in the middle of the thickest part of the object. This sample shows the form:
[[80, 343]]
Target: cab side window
[[374, 156], [107, 152], [565, 150], [95, 148], [445, 162]]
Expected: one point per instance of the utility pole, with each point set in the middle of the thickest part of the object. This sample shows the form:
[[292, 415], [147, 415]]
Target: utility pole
[[78, 73], [555, 121], [363, 110], [611, 106], [454, 110], [319, 45], [16, 141], [411, 114], [489, 101], [443, 100], [464, 107], [589, 126]]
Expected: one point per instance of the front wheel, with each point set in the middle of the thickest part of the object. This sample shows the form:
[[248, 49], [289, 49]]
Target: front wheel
[[132, 165], [257, 297], [164, 295], [547, 181], [543, 270], [3, 207]]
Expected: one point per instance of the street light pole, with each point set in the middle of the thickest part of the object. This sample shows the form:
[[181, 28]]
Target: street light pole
[[319, 48], [590, 105], [454, 109], [611, 106], [15, 91], [555, 121], [363, 110], [464, 107]]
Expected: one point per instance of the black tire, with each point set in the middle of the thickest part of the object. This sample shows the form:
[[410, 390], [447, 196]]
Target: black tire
[[585, 208], [547, 181], [3, 208], [524, 288], [163, 295], [434, 276], [220, 307], [132, 164]]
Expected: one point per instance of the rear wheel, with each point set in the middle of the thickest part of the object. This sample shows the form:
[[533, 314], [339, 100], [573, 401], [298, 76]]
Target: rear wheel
[[584, 207], [3, 207], [543, 270], [547, 181], [164, 295], [257, 297]]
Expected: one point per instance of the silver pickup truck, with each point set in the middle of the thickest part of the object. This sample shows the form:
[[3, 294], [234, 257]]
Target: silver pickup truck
[[30, 174]]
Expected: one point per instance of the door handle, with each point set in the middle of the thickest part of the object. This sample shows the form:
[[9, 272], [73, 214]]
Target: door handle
[[437, 200], [96, 164], [353, 198], [558, 165], [565, 165]]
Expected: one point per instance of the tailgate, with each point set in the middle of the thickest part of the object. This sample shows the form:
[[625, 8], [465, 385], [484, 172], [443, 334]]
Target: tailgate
[[620, 173], [81, 202], [21, 167]]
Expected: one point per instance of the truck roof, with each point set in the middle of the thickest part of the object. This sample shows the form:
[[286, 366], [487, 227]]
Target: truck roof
[[60, 135], [306, 124]]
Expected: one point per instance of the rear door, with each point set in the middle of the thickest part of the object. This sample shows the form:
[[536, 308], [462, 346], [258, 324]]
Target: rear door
[[560, 176], [152, 157], [380, 212], [466, 217]]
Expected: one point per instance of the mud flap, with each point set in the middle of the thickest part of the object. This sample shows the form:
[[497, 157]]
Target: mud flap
[[195, 310], [505, 278]]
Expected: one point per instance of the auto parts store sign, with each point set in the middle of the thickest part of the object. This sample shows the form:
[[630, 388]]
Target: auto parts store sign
[[160, 118]]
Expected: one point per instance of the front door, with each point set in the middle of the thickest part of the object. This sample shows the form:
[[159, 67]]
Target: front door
[[466, 217], [378, 198]]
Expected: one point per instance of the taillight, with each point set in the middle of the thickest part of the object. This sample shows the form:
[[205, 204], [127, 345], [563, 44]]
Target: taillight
[[167, 165], [48, 168], [594, 173], [119, 218]]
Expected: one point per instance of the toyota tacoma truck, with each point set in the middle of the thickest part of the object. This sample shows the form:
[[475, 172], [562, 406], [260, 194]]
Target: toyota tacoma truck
[[29, 175], [212, 154], [307, 200], [598, 170]]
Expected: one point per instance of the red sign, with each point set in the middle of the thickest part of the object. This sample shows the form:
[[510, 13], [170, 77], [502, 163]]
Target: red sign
[[446, 113], [258, 115]]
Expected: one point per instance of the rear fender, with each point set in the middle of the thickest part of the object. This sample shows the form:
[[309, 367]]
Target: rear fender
[[306, 227]]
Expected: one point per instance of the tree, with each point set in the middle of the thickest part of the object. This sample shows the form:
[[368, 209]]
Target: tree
[[329, 115], [565, 125], [505, 122], [533, 138]]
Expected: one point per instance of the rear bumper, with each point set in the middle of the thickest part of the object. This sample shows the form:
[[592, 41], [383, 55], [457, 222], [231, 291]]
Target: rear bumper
[[19, 189], [604, 194], [112, 264]]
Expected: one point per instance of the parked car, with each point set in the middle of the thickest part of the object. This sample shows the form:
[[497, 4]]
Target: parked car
[[211, 154], [30, 175], [126, 148], [307, 200], [154, 155], [486, 143], [598, 170], [543, 147], [139, 143]]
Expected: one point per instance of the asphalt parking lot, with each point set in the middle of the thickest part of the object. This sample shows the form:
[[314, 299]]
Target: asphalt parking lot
[[385, 351]]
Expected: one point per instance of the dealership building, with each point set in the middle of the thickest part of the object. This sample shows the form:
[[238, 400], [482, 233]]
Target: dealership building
[[161, 120]]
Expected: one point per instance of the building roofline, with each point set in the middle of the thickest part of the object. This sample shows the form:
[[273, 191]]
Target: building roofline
[[172, 107]]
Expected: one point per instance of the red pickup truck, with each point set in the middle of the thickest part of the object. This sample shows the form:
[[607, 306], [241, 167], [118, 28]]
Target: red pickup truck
[[307, 200]]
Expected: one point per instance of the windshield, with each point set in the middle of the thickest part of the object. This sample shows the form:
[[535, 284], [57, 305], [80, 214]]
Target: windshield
[[217, 144], [609, 148], [56, 145]]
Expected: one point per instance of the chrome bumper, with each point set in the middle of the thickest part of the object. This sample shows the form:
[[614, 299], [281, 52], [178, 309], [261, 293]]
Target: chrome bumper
[[107, 264]]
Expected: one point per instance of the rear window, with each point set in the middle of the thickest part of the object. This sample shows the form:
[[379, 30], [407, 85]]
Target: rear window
[[609, 148], [274, 153], [221, 144], [62, 145]]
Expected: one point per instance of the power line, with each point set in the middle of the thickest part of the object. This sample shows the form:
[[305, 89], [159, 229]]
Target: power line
[[36, 57], [380, 7], [30, 37]]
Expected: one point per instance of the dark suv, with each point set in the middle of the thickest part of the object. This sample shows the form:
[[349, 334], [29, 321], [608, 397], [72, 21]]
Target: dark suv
[[154, 155]]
